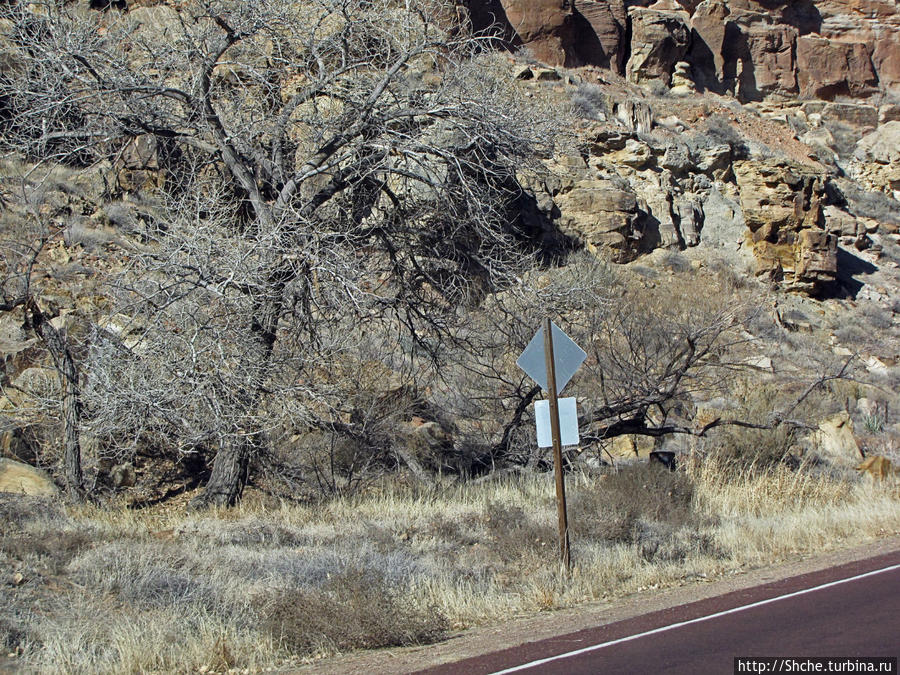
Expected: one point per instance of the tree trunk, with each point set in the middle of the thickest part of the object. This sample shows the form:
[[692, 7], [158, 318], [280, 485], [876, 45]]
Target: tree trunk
[[229, 475], [231, 467], [71, 397]]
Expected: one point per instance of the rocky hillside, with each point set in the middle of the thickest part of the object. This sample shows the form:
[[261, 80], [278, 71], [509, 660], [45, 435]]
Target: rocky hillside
[[758, 140], [772, 123]]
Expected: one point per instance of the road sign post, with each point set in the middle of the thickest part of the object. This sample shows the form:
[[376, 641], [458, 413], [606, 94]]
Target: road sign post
[[551, 359], [561, 510]]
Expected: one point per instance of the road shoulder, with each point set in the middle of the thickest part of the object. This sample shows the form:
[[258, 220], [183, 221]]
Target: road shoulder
[[487, 639]]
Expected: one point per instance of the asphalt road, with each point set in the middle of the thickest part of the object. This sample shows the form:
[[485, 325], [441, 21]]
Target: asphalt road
[[847, 611]]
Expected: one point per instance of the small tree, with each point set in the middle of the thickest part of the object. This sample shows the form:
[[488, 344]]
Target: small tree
[[18, 291], [326, 166]]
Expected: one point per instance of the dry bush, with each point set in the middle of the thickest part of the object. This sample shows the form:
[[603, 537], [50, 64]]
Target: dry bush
[[13, 634], [512, 534], [355, 609], [18, 512], [645, 506], [591, 101], [737, 448]]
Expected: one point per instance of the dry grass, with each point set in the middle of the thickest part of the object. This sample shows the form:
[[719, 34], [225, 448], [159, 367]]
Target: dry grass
[[268, 585]]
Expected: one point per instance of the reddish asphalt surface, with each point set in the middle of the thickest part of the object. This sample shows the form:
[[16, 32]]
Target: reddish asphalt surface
[[856, 618]]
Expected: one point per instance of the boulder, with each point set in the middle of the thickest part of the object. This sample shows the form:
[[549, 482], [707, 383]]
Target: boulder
[[826, 68], [782, 205], [854, 114], [24, 479], [660, 39], [677, 159], [630, 447], [141, 164], [635, 154], [889, 112], [881, 146], [602, 215], [715, 161], [840, 222]]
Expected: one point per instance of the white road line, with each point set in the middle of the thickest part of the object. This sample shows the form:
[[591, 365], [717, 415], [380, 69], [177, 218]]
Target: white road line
[[592, 648]]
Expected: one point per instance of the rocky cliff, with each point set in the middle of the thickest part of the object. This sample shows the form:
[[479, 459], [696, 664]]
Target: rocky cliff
[[753, 49]]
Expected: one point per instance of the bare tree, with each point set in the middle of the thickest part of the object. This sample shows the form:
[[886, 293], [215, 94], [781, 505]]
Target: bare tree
[[320, 167], [18, 291]]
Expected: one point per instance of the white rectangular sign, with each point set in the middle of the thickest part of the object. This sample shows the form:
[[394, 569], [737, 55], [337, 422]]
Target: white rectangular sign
[[568, 422]]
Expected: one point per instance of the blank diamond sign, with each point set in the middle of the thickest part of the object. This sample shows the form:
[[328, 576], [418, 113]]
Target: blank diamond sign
[[567, 355]]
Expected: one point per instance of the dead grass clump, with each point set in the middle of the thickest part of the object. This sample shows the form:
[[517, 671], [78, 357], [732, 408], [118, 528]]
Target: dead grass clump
[[355, 609], [19, 511], [644, 506], [511, 533], [611, 509], [732, 491], [49, 550], [736, 449], [13, 634], [251, 531], [144, 575]]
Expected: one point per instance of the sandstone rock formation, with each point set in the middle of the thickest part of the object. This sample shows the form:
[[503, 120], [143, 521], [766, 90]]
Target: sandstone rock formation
[[603, 41], [755, 48], [826, 68], [601, 214], [659, 40], [545, 26], [783, 210], [767, 65]]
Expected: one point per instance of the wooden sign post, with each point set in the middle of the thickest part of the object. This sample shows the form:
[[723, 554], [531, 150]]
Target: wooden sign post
[[551, 359], [562, 511]]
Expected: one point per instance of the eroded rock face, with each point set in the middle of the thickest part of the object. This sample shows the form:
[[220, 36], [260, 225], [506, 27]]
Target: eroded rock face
[[709, 27], [604, 43], [545, 26], [769, 67], [660, 39], [602, 215], [756, 48], [826, 68], [783, 211]]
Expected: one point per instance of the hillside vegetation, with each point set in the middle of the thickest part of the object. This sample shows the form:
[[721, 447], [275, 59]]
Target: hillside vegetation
[[266, 268]]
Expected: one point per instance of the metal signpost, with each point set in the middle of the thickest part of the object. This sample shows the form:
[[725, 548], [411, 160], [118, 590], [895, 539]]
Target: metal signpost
[[551, 359]]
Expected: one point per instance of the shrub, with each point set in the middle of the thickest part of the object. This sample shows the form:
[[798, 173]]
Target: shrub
[[511, 532], [863, 204], [13, 634], [611, 509], [356, 609], [590, 101]]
